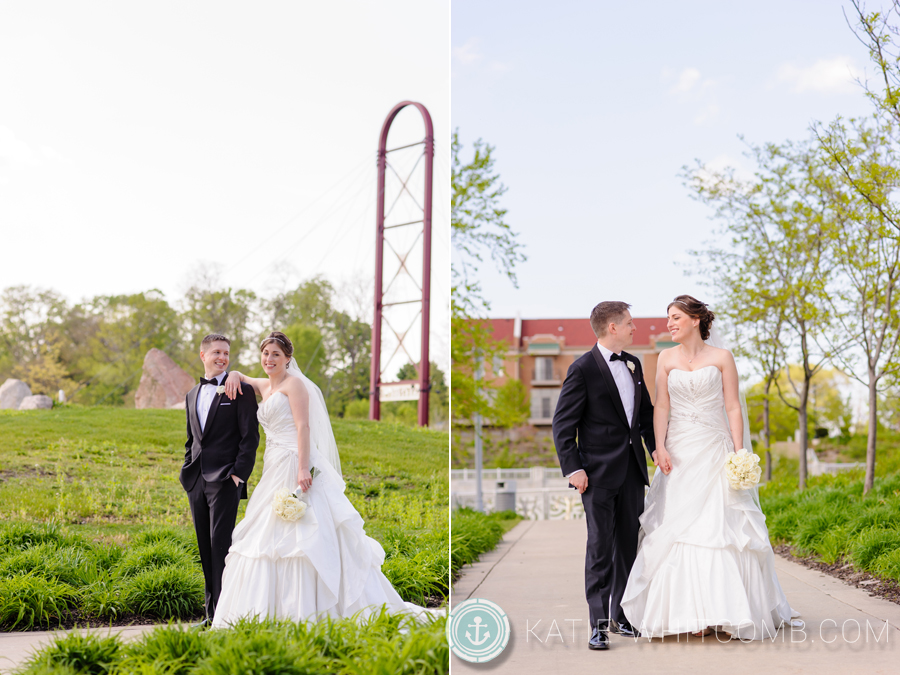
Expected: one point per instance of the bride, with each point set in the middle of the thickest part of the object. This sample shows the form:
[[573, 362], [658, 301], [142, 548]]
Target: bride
[[323, 564], [704, 560]]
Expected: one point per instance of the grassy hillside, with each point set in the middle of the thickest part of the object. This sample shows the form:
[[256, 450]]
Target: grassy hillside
[[106, 481]]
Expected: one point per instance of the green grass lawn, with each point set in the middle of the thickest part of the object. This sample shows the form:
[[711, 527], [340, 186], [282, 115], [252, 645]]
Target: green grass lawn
[[106, 482]]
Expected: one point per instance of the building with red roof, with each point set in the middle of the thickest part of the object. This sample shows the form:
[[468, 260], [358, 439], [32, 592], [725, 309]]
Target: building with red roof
[[540, 352]]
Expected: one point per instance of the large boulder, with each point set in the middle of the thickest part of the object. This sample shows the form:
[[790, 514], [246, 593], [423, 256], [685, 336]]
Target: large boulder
[[12, 393], [39, 402], [163, 383]]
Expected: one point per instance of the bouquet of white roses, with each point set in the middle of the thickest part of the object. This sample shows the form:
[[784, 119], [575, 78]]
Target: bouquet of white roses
[[291, 506], [742, 469]]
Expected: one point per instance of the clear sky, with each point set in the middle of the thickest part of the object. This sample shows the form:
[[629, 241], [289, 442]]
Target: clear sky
[[595, 106], [142, 142]]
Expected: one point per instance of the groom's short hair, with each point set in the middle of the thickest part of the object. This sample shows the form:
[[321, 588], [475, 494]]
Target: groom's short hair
[[606, 313], [213, 337]]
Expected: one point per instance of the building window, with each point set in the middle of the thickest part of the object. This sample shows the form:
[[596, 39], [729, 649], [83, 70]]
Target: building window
[[543, 404], [498, 366], [543, 369]]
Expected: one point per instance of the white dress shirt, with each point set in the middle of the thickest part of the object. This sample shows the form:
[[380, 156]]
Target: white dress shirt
[[205, 399], [624, 383]]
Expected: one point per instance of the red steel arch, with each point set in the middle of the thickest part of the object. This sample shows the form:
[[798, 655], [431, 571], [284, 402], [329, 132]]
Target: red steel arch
[[424, 375]]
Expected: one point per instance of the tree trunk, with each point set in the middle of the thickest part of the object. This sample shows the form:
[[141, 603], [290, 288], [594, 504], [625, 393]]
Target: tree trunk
[[768, 432], [873, 433], [804, 430]]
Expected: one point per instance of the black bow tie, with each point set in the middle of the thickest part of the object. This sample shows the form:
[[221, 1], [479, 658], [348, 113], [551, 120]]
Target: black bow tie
[[614, 357], [214, 382]]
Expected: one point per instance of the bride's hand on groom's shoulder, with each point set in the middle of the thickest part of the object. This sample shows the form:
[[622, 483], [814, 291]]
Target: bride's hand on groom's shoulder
[[662, 460], [233, 385]]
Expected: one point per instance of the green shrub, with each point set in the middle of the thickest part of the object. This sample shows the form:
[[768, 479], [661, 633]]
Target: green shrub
[[162, 553], [832, 545], [472, 533], [183, 537], [809, 532], [783, 524], [420, 576], [20, 536], [106, 556], [170, 649], [382, 643], [50, 669], [388, 643], [82, 652], [165, 592], [872, 543], [29, 601], [104, 599], [72, 565], [887, 564], [262, 649], [876, 516]]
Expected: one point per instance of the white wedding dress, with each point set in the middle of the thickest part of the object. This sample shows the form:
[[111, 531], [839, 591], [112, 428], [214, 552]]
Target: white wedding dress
[[704, 557], [322, 565]]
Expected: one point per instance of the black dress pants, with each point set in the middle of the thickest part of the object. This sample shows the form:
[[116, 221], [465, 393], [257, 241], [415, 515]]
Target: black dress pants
[[214, 508], [612, 524]]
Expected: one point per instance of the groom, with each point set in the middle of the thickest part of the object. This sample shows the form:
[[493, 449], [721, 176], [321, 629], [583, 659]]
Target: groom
[[222, 437], [603, 411]]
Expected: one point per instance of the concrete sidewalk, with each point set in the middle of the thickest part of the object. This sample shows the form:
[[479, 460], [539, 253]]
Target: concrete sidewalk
[[16, 648], [536, 575]]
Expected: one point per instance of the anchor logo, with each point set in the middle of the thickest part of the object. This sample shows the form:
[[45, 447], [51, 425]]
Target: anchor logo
[[477, 630], [477, 626]]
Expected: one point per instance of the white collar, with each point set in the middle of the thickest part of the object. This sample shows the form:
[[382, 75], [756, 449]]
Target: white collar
[[606, 352], [216, 378]]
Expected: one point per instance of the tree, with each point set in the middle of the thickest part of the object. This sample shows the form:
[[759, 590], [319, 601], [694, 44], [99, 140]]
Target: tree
[[865, 300], [225, 311], [758, 326], [28, 319], [829, 407], [479, 230], [861, 156], [778, 228], [114, 334]]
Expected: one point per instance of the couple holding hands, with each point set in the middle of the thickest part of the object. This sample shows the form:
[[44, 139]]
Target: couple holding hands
[[693, 555]]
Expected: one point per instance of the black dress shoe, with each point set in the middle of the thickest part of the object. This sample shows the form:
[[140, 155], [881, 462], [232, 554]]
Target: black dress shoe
[[626, 629], [599, 639]]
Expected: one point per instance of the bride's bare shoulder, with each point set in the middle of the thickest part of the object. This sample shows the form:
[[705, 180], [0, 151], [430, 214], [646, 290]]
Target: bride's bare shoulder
[[722, 357], [666, 355], [294, 385]]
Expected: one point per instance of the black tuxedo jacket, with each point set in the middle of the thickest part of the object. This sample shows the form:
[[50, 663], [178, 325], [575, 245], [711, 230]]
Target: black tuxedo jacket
[[590, 429], [227, 445]]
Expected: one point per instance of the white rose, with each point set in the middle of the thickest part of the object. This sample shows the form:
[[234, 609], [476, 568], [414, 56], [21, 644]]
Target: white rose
[[220, 389]]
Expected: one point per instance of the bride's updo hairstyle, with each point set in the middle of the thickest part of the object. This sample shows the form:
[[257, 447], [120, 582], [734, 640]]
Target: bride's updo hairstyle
[[696, 310], [280, 339]]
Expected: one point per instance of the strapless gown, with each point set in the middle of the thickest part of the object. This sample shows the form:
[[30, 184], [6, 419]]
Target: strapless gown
[[704, 557], [322, 565]]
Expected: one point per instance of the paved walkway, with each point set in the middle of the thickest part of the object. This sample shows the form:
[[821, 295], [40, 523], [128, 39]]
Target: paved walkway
[[16, 648], [536, 575]]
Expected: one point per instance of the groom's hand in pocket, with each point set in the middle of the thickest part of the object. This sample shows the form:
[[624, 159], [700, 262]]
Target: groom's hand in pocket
[[579, 480]]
